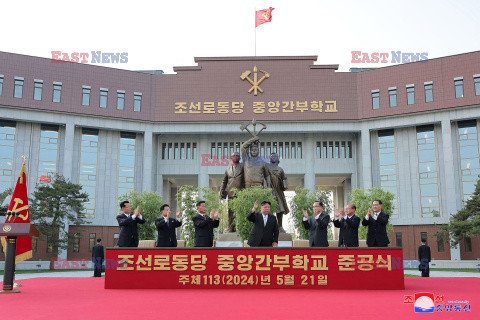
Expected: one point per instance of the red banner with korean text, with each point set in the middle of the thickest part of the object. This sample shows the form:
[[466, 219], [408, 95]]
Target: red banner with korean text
[[18, 212], [319, 268]]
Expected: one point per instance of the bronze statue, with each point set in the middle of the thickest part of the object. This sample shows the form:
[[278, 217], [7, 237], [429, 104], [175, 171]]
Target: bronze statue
[[254, 168], [277, 180], [233, 178]]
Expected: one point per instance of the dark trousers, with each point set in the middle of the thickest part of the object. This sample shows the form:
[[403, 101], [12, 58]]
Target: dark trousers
[[97, 267], [426, 272]]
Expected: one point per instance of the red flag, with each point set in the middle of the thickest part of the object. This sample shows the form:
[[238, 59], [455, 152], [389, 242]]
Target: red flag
[[19, 207], [263, 16]]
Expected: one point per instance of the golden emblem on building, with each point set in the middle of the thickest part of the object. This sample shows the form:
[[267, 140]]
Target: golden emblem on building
[[255, 82], [7, 228]]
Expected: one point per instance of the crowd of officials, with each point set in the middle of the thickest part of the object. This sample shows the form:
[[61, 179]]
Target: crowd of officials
[[265, 230]]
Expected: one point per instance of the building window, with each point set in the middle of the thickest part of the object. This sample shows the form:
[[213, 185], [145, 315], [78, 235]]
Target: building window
[[398, 240], [458, 87], [468, 244], [137, 101], [1, 84], [441, 245], [126, 164], [37, 90], [410, 94], [103, 98], [115, 239], [476, 82], [7, 148], [424, 236], [120, 100], [88, 168], [428, 172], [34, 244], [185, 150], [57, 91], [468, 154], [86, 95], [76, 242], [375, 99], [18, 92], [47, 163], [392, 93], [387, 164], [91, 241], [428, 92]]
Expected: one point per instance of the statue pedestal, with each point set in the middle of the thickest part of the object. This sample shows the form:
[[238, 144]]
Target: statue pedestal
[[285, 240], [230, 239]]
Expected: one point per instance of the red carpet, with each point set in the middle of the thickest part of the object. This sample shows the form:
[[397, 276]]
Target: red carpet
[[85, 298]]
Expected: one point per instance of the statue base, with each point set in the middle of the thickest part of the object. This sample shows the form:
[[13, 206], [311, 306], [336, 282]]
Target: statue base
[[229, 239], [285, 240]]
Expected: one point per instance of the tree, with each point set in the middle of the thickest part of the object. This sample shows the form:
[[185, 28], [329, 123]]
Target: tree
[[3, 196], [149, 203], [363, 198], [187, 197], [303, 200], [242, 204], [465, 223], [54, 205]]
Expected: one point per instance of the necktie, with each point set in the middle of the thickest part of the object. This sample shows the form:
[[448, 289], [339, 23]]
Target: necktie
[[265, 217]]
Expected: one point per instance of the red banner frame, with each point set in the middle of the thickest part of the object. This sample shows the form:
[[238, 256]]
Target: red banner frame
[[247, 268]]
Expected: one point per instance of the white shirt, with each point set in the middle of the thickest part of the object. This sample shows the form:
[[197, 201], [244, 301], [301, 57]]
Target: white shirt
[[316, 217], [133, 216], [375, 215], [166, 220], [265, 219]]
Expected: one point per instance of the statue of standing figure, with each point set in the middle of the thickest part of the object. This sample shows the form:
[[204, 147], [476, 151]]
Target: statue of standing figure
[[255, 172], [277, 180], [233, 178], [259, 173]]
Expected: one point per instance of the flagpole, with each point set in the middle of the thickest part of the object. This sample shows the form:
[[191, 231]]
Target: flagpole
[[255, 25]]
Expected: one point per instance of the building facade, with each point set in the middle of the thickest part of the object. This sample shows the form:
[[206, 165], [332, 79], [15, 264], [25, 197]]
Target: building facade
[[411, 129]]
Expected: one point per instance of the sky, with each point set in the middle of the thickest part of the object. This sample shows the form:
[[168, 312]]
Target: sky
[[158, 35]]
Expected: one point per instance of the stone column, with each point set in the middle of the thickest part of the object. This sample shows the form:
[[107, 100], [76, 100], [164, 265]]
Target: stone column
[[448, 172], [147, 160], [67, 171], [366, 159], [309, 154]]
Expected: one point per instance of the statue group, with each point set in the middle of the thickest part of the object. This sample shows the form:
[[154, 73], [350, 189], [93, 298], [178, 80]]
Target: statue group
[[254, 170]]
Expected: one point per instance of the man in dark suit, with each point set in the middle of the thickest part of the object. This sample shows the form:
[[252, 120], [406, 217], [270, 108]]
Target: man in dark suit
[[424, 257], [377, 221], [264, 231], [128, 225], [348, 224], [317, 226], [166, 227], [97, 258], [204, 225]]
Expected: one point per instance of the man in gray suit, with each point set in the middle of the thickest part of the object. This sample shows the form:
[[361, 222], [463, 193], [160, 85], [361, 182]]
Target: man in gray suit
[[317, 225]]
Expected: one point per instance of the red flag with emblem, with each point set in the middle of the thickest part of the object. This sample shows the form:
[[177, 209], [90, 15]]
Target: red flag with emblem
[[18, 212], [263, 16]]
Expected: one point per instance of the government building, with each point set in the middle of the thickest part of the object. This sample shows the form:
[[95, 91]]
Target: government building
[[411, 129]]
